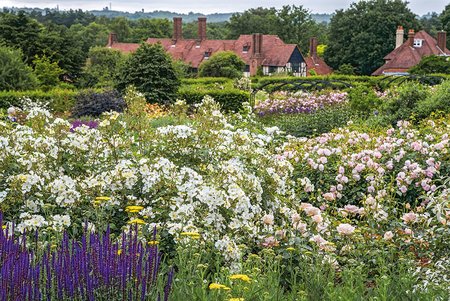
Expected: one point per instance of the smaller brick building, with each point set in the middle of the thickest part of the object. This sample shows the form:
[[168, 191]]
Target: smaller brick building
[[267, 52], [409, 53]]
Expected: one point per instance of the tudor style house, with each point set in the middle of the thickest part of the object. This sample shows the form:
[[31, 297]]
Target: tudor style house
[[408, 54], [267, 52]]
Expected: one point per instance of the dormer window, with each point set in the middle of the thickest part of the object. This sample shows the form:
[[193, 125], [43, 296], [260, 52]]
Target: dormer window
[[417, 42], [245, 48], [207, 54]]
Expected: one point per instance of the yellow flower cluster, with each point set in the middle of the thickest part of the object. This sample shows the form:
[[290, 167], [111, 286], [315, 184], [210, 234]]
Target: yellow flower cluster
[[153, 242], [218, 286], [4, 227], [133, 209], [193, 235], [154, 110], [98, 200], [242, 277], [236, 299], [137, 221]]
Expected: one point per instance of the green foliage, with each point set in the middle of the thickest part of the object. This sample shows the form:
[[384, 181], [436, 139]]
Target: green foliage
[[309, 125], [293, 24], [230, 99], [47, 72], [222, 64], [438, 101], [150, 69], [92, 35], [59, 100], [182, 69], [346, 69], [402, 103], [363, 99], [364, 33], [102, 66], [143, 29], [445, 21], [14, 73], [215, 31], [432, 64]]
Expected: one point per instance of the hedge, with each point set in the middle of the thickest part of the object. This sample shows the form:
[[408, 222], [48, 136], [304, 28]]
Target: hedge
[[206, 81], [230, 99], [59, 100]]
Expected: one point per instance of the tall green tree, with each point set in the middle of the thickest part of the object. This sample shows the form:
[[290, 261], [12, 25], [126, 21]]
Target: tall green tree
[[364, 33], [445, 20], [46, 72], [150, 69], [20, 31], [102, 66], [142, 29], [14, 73]]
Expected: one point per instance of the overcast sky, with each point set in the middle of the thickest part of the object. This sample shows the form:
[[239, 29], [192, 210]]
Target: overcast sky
[[209, 6]]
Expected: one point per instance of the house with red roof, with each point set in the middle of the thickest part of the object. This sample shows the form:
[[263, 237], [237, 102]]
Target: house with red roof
[[408, 53], [267, 52]]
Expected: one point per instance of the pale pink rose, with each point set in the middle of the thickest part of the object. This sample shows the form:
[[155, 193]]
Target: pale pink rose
[[317, 218], [388, 235], [270, 242], [268, 219], [341, 170], [345, 229], [403, 189], [295, 217], [351, 209], [303, 206], [410, 217], [280, 234], [329, 196], [318, 240], [408, 231], [301, 227], [311, 211]]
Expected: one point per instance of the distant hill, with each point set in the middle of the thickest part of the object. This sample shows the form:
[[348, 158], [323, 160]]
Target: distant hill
[[159, 14]]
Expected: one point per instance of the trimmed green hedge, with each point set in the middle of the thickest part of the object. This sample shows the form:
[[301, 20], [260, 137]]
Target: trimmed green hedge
[[206, 81], [230, 99], [59, 100]]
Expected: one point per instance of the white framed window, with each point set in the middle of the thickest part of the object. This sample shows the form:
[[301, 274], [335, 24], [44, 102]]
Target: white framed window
[[417, 43]]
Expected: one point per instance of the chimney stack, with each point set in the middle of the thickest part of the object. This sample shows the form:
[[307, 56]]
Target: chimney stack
[[257, 40], [201, 28], [313, 47], [411, 37], [399, 37], [442, 40], [112, 38], [177, 29]]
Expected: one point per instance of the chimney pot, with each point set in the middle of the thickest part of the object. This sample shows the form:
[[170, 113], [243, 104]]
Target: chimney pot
[[112, 38], [201, 28], [442, 40], [399, 36], [257, 40], [313, 47], [411, 37], [177, 29]]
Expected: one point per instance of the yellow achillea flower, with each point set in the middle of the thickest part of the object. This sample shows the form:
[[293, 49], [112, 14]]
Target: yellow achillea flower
[[290, 249], [153, 242], [218, 286], [137, 221], [240, 277], [119, 252], [4, 227], [236, 299], [193, 235], [133, 209], [102, 198]]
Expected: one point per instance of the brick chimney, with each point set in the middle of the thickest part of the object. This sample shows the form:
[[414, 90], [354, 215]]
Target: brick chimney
[[177, 29], [257, 40], [399, 37], [442, 40], [201, 28], [313, 47], [112, 38], [257, 56], [411, 37]]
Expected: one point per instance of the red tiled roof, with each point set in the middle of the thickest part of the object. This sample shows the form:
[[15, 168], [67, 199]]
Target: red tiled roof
[[274, 51], [404, 57], [318, 65]]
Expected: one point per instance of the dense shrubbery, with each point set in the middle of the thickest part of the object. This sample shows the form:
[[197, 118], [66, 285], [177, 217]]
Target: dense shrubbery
[[222, 64], [14, 73], [91, 103]]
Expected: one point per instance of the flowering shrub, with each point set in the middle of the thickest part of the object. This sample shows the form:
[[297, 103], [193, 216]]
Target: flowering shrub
[[300, 102], [92, 269]]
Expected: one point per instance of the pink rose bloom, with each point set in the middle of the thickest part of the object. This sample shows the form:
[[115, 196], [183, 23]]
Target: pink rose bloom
[[351, 209], [345, 229], [408, 231], [311, 211], [388, 235], [270, 242], [268, 219], [410, 217], [329, 196], [317, 218], [295, 217]]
